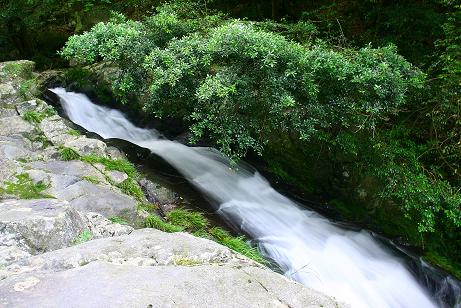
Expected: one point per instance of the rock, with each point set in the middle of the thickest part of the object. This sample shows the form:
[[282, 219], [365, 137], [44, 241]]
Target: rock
[[125, 271], [18, 69], [7, 112], [102, 284], [144, 247], [85, 146], [87, 197], [14, 148], [7, 90], [32, 105], [15, 125], [37, 226], [73, 168], [55, 129], [117, 177], [115, 153], [101, 227], [158, 194]]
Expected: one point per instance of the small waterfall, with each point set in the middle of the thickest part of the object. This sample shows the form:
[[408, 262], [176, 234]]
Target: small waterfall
[[352, 266]]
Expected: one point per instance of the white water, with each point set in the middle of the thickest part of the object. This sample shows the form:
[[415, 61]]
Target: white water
[[349, 265]]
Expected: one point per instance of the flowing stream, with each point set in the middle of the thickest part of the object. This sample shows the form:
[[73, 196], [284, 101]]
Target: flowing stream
[[352, 266]]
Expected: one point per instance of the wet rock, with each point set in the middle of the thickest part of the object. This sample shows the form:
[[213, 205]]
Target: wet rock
[[158, 194], [31, 105]]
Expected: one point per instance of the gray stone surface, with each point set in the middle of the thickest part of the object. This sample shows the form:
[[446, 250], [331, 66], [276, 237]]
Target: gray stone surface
[[37, 226], [31, 105], [14, 125], [85, 146], [102, 284], [7, 90], [87, 197], [150, 267], [55, 129], [117, 177], [101, 227]]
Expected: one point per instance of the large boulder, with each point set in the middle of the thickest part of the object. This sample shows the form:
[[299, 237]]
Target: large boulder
[[150, 268], [37, 226]]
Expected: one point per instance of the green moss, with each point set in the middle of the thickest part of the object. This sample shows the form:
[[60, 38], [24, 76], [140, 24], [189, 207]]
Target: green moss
[[28, 88], [74, 132], [25, 188], [68, 154], [32, 117], [153, 221], [191, 221], [83, 237], [91, 178], [118, 220]]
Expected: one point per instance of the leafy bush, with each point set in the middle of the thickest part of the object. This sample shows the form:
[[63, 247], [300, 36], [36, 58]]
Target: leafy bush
[[238, 84]]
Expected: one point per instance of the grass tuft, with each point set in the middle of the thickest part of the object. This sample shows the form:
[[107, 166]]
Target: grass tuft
[[153, 221], [68, 154], [191, 221], [237, 244], [131, 187]]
